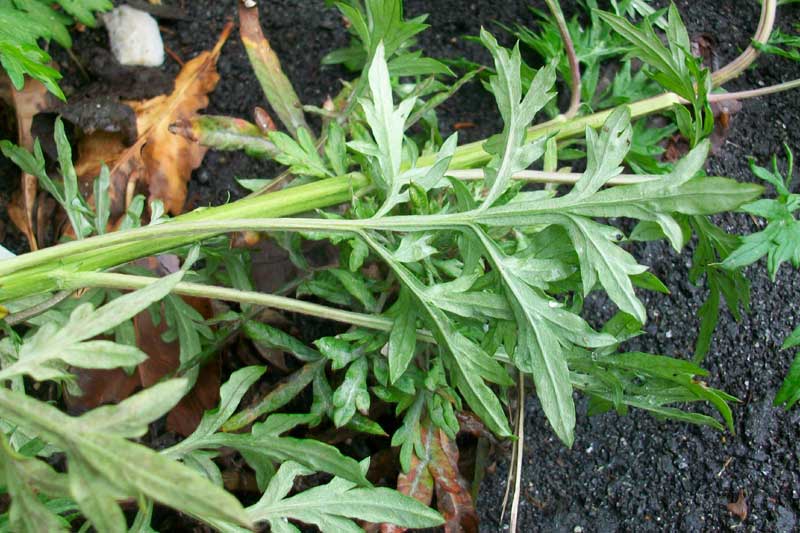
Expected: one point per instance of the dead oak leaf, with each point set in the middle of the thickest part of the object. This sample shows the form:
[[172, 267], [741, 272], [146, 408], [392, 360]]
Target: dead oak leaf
[[159, 161]]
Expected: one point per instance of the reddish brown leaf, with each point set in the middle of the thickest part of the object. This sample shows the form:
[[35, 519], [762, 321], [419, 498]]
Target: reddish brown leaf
[[101, 387], [418, 482], [163, 358], [439, 470], [452, 490]]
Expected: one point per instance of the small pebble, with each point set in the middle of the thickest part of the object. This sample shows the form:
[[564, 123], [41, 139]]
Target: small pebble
[[134, 37]]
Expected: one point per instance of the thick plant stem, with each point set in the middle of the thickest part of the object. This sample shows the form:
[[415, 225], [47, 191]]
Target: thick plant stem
[[31, 273]]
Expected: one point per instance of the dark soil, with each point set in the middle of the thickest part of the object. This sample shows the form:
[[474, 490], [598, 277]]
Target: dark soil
[[635, 473], [628, 473]]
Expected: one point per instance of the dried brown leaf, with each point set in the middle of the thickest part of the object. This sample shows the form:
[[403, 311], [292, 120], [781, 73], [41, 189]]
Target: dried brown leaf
[[739, 507], [439, 471], [452, 491], [159, 162], [418, 481], [27, 102]]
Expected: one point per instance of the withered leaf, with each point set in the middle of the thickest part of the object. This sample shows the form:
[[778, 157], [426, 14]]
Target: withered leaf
[[276, 86], [27, 102], [418, 481], [739, 507], [158, 162], [452, 490], [163, 358], [439, 470]]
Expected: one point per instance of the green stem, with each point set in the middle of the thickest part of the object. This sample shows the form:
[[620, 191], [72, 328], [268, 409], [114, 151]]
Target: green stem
[[755, 93], [30, 273], [291, 305], [472, 155], [558, 178]]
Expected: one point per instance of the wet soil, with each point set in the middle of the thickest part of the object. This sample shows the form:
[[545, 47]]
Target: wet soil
[[630, 473]]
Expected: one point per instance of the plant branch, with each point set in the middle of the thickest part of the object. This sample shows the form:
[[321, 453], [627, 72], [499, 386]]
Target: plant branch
[[769, 9], [292, 305], [755, 93], [29, 274], [572, 58], [38, 309], [559, 178]]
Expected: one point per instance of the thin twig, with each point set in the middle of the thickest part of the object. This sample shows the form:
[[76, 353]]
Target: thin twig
[[755, 93], [572, 58], [38, 309], [520, 434]]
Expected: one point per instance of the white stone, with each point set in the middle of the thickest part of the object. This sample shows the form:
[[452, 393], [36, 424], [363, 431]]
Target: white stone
[[134, 36]]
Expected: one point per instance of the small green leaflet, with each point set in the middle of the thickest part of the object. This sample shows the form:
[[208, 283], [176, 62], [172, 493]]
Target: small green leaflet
[[388, 125], [48, 353], [270, 337], [669, 62], [230, 395], [782, 44], [381, 22], [265, 441], [780, 240], [334, 506], [352, 394], [300, 156], [509, 150], [24, 477], [403, 338], [103, 466]]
